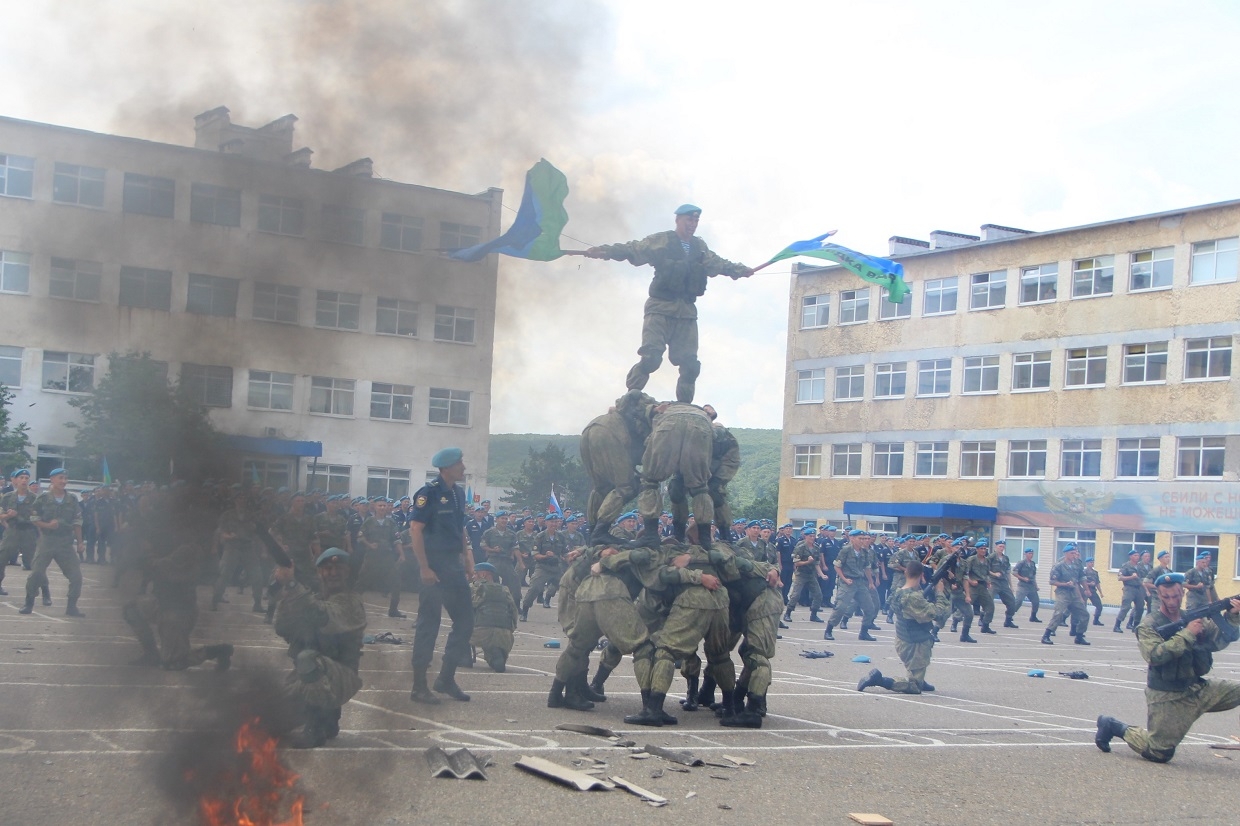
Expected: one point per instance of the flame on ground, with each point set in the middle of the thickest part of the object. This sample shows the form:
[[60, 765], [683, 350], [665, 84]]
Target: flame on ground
[[258, 790]]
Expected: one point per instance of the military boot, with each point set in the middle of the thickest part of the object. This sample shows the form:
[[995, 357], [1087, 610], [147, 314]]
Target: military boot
[[864, 636], [28, 608], [1033, 617], [312, 734], [150, 652], [1046, 637], [986, 629], [813, 616], [1007, 623], [704, 536], [690, 702], [421, 693], [727, 707], [756, 704], [649, 715], [1108, 728], [649, 536], [596, 685], [678, 530], [601, 534], [331, 723], [1079, 639], [925, 686], [826, 634], [555, 698], [71, 610], [875, 678], [788, 613], [574, 700], [964, 636], [955, 625], [222, 654], [394, 607], [706, 697], [1116, 629]]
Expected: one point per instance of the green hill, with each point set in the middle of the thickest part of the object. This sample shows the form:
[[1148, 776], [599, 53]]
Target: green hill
[[758, 477]]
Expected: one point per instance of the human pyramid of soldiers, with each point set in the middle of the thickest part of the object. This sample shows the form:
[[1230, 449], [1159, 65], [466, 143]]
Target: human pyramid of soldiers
[[651, 584]]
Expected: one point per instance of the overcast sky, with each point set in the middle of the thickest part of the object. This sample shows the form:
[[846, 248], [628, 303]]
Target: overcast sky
[[781, 120]]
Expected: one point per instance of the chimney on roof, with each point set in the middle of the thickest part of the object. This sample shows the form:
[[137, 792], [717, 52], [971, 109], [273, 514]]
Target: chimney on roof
[[899, 245], [299, 158], [942, 239], [362, 168], [994, 232], [215, 132]]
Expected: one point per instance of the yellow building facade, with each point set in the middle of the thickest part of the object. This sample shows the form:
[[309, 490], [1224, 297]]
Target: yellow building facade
[[1074, 385]]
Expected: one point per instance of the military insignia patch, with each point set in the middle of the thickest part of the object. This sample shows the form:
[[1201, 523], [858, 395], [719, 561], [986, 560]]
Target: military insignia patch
[[443, 500], [420, 502]]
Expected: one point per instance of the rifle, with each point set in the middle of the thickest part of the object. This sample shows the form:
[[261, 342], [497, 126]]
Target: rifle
[[277, 553], [1204, 612], [947, 566]]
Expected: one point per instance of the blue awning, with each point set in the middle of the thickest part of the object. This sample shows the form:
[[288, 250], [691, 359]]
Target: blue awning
[[938, 510], [273, 447]]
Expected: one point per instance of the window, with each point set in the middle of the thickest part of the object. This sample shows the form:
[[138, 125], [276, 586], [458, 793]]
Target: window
[[989, 290], [1093, 276], [1038, 284], [846, 460], [934, 377], [211, 295], [331, 479], [1145, 363], [1020, 540], [854, 306], [268, 474], [1207, 358], [981, 374], [888, 459], [1087, 367], [1031, 371], [449, 406], [396, 317], [940, 297], [337, 311], [77, 280], [14, 272], [931, 459], [807, 461], [1085, 541], [11, 366], [145, 288], [145, 195], [888, 310], [69, 372], [1186, 546], [454, 324], [1081, 459], [207, 384], [890, 380], [815, 311], [850, 383], [1200, 457], [977, 460], [275, 302], [51, 457], [211, 204], [270, 390], [81, 185], [400, 232], [458, 236], [389, 482], [1214, 261], [333, 397], [282, 216], [1125, 542], [1137, 458], [391, 401], [1151, 269], [811, 386], [1027, 459], [342, 224], [16, 176]]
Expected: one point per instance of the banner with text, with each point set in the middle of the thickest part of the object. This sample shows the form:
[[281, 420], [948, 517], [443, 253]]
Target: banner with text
[[1182, 507]]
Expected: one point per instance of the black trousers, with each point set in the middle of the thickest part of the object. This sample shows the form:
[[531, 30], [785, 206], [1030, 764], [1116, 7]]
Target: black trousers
[[451, 592]]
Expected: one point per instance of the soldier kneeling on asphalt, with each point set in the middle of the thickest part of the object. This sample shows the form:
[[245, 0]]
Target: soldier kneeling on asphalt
[[324, 635], [495, 617], [915, 619], [171, 613]]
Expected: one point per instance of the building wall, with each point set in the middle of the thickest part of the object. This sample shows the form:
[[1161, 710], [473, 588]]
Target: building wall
[[1172, 410], [44, 228]]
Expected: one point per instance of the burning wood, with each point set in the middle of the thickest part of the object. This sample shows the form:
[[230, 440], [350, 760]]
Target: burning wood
[[257, 789]]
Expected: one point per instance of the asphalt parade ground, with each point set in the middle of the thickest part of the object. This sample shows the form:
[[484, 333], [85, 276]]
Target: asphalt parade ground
[[84, 737]]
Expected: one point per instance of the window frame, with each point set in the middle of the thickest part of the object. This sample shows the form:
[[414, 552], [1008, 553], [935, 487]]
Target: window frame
[[268, 385], [12, 173], [976, 455], [463, 318], [330, 394], [853, 302], [1100, 284], [937, 452], [219, 287], [451, 403], [1122, 542], [1210, 348], [150, 283], [148, 195], [1137, 450], [392, 397], [84, 362], [1205, 456], [1186, 546], [333, 309], [804, 460], [1029, 450], [74, 175], [1040, 277], [342, 224], [988, 289], [1197, 253], [1083, 361], [1086, 542], [902, 310], [401, 225], [888, 377], [935, 371], [1025, 539], [332, 474], [849, 455], [1154, 269], [11, 355], [400, 313], [807, 379], [289, 213], [212, 377], [454, 235], [939, 290], [988, 368], [886, 454], [1036, 362], [278, 301], [214, 204], [11, 265], [820, 309], [1088, 454], [395, 482], [84, 277], [853, 383], [1144, 360]]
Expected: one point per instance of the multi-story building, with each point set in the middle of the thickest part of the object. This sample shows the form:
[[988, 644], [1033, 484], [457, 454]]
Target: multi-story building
[[311, 311], [1074, 385]]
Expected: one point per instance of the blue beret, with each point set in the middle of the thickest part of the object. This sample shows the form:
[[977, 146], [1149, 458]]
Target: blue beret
[[856, 532], [1089, 559], [497, 513], [1000, 541], [1134, 553], [982, 543], [808, 530], [958, 541], [1071, 546], [942, 536], [485, 566], [19, 472], [686, 209], [56, 472], [331, 553], [1170, 579], [785, 525], [1028, 550], [1161, 554], [753, 524], [447, 457], [1203, 555], [555, 516], [832, 528]]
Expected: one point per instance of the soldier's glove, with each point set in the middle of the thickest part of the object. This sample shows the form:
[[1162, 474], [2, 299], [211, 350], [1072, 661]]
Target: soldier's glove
[[1074, 675], [717, 557], [743, 565]]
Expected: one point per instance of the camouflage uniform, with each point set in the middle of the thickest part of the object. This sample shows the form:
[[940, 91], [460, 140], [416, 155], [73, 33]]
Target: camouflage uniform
[[1194, 599], [915, 617], [679, 445], [852, 563], [20, 535], [671, 313], [1177, 692], [1001, 581], [977, 571], [500, 544], [803, 577], [547, 572], [495, 618], [1068, 600], [239, 550], [299, 535], [725, 461], [1028, 590], [610, 449], [381, 570], [164, 620], [754, 608], [1134, 596], [325, 643], [1151, 601], [56, 545]]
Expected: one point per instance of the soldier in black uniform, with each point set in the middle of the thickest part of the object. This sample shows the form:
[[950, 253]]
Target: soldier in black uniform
[[437, 534]]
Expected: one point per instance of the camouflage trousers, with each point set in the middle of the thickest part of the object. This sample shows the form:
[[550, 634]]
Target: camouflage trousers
[[66, 559], [506, 573], [166, 630], [544, 580], [916, 659], [495, 643], [235, 555], [1172, 713], [18, 541], [1068, 603], [1132, 600], [760, 627], [1004, 594], [983, 599], [680, 337], [849, 597], [682, 632], [1028, 591], [381, 571], [814, 586], [616, 619], [329, 687]]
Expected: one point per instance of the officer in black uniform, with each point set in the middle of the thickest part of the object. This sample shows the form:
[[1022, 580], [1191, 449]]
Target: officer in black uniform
[[437, 534]]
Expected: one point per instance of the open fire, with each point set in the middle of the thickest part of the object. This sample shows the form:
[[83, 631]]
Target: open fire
[[253, 789]]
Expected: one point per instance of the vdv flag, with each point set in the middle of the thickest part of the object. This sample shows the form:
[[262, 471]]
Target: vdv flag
[[535, 234], [107, 474], [881, 271]]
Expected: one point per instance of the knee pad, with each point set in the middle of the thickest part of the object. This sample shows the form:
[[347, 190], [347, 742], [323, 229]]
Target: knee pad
[[307, 665], [1158, 755], [691, 369], [645, 651], [650, 361], [699, 491]]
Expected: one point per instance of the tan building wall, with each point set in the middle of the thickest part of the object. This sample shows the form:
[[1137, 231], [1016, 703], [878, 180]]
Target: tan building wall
[[1175, 411]]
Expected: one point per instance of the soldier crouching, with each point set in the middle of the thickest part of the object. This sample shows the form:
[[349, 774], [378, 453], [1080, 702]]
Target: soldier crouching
[[495, 617], [915, 617], [324, 634]]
